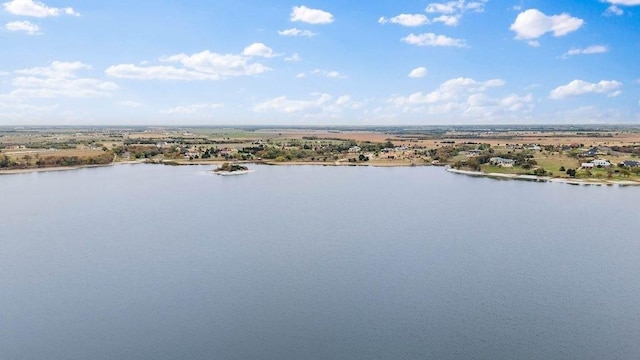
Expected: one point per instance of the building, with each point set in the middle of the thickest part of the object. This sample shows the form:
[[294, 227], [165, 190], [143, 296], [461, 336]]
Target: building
[[630, 163], [498, 161], [355, 149], [600, 163], [587, 165], [474, 153], [590, 153]]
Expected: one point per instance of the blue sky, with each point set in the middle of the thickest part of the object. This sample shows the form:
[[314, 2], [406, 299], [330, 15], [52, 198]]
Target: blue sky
[[387, 62]]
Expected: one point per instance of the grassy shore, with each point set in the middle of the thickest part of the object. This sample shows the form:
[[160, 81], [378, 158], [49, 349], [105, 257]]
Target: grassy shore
[[554, 152]]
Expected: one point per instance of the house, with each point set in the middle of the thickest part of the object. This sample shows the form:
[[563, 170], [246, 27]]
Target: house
[[225, 152], [587, 165], [600, 163], [498, 161], [355, 149], [534, 147], [630, 163], [590, 153], [473, 153]]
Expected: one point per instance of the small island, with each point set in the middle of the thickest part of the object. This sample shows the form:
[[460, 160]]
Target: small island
[[231, 169]]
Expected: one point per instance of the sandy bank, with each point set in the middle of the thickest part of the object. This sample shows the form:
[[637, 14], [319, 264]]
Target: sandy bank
[[544, 178]]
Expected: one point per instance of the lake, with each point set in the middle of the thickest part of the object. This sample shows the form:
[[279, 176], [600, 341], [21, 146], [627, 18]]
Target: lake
[[313, 262]]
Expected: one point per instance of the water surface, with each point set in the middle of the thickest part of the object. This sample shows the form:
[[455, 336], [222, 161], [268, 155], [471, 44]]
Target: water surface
[[304, 262]]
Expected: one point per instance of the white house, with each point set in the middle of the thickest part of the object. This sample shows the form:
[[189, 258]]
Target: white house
[[498, 161], [587, 165], [600, 163], [355, 149]]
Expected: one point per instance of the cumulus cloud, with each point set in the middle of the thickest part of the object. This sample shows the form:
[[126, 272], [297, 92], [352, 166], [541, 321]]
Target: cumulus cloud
[[624, 2], [579, 87], [293, 58], [26, 26], [614, 9], [450, 20], [448, 90], [35, 9], [310, 16], [258, 49], [410, 20], [464, 97], [205, 65], [589, 50], [59, 79], [297, 32], [452, 11], [418, 72], [191, 109], [318, 103], [329, 73], [532, 24], [431, 39]]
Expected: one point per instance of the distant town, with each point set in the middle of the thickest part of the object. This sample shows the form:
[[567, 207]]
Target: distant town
[[590, 153]]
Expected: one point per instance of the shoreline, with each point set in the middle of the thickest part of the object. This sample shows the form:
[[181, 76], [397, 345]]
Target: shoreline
[[503, 176], [62, 168], [544, 178]]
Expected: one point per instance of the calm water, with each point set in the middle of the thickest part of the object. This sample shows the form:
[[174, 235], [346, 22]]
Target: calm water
[[152, 262]]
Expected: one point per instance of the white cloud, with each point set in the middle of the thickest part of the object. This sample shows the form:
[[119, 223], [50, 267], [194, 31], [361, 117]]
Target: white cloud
[[329, 73], [286, 105], [258, 49], [452, 11], [205, 65], [297, 32], [158, 72], [293, 58], [579, 87], [448, 90], [624, 2], [449, 20], [532, 24], [59, 79], [593, 49], [191, 109], [418, 72], [57, 69], [464, 97], [614, 10], [431, 39], [301, 75], [318, 104], [409, 20], [310, 16], [35, 9], [443, 8], [26, 26]]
